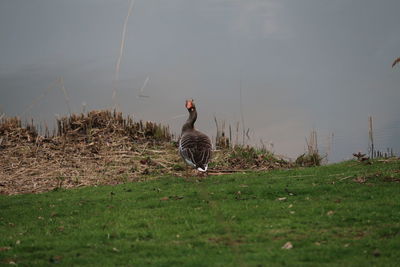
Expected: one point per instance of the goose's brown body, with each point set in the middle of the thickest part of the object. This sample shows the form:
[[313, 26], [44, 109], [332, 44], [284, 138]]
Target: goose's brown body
[[194, 146]]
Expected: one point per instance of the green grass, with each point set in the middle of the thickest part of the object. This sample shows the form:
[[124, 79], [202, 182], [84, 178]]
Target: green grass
[[230, 220]]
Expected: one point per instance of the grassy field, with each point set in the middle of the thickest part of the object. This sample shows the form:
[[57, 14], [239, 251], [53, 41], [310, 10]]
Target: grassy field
[[345, 214]]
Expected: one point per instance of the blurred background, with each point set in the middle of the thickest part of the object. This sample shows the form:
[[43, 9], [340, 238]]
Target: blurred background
[[281, 69]]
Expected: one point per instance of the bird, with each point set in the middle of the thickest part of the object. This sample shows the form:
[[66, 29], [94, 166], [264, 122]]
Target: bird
[[194, 146], [395, 62]]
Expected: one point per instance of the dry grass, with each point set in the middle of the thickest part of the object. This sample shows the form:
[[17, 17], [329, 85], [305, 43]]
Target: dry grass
[[102, 147], [312, 157], [247, 158]]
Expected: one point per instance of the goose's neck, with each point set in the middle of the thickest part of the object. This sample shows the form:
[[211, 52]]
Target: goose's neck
[[189, 124]]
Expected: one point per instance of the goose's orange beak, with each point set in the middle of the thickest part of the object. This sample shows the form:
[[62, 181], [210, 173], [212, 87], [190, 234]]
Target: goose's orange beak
[[189, 104]]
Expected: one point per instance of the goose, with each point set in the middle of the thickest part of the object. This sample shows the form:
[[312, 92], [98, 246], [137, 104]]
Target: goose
[[194, 146]]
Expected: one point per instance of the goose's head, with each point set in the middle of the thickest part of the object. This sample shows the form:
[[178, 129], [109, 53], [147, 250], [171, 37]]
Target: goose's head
[[190, 105]]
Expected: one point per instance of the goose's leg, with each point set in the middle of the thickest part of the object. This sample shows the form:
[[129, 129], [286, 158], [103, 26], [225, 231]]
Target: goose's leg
[[202, 175], [187, 172]]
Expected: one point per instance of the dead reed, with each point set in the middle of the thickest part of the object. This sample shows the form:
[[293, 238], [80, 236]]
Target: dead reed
[[104, 147], [312, 157], [235, 156], [106, 122], [100, 147]]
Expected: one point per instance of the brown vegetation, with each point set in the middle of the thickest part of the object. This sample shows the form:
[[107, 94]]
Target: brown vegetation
[[101, 147]]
